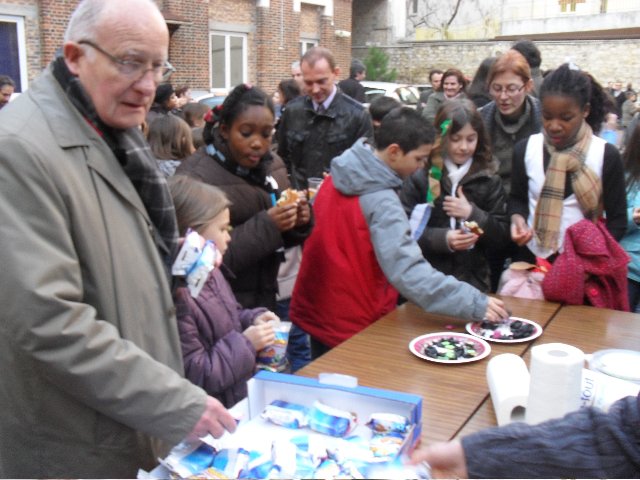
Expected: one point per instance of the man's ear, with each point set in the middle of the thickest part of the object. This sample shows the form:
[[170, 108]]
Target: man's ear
[[336, 71], [72, 53]]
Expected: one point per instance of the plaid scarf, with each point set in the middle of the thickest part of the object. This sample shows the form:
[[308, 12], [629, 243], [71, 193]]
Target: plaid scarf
[[585, 183], [133, 152]]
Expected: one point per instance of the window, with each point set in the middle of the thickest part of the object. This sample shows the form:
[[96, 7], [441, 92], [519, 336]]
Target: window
[[306, 44], [228, 60], [13, 61]]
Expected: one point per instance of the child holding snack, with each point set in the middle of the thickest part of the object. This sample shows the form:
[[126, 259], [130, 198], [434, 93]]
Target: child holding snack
[[566, 173], [219, 338], [469, 192], [237, 158], [361, 254]]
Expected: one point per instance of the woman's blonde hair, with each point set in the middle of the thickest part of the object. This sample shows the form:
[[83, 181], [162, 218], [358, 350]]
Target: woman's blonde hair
[[197, 203]]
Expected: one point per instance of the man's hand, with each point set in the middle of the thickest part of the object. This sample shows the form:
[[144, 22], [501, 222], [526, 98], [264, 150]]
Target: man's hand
[[215, 420], [446, 460]]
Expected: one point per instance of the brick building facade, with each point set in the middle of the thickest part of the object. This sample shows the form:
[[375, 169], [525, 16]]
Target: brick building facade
[[258, 39]]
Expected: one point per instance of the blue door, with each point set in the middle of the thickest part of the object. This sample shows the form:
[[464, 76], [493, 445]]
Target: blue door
[[10, 58]]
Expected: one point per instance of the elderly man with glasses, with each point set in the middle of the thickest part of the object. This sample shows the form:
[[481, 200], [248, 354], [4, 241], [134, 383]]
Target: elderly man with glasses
[[92, 379]]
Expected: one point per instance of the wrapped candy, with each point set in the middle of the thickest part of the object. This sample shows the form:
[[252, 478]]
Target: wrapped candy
[[285, 414], [388, 422], [331, 421]]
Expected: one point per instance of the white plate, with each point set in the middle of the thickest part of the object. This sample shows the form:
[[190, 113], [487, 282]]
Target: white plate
[[619, 363], [475, 328], [418, 344]]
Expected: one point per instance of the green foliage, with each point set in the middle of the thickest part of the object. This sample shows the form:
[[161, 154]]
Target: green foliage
[[377, 64]]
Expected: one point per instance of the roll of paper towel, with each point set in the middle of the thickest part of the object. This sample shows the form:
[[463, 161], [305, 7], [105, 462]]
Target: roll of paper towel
[[555, 385], [508, 380]]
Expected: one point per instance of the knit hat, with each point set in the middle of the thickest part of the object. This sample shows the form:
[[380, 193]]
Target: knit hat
[[163, 93]]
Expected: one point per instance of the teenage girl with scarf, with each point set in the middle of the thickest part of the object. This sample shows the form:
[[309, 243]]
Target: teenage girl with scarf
[[469, 191], [237, 158], [566, 173]]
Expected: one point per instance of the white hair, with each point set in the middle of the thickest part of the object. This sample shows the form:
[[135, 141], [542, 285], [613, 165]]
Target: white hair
[[85, 19]]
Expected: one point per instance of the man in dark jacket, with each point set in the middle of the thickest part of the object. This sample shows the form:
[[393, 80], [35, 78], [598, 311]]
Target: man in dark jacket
[[352, 86], [322, 124]]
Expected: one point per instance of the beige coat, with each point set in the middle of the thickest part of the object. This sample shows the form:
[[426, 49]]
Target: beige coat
[[89, 351]]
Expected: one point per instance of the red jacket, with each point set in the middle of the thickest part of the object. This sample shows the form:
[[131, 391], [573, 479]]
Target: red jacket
[[337, 257], [592, 270]]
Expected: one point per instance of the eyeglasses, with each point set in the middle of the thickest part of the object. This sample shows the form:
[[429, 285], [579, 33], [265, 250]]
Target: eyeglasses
[[134, 68], [509, 89]]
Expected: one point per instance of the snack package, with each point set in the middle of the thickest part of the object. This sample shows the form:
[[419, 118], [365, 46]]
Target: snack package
[[388, 422], [188, 460], [331, 421], [189, 252], [274, 357], [195, 261], [285, 414]]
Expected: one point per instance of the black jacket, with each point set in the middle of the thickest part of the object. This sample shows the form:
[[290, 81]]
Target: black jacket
[[252, 255], [489, 209], [308, 141]]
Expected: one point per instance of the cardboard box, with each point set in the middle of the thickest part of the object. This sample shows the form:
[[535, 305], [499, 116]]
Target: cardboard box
[[256, 434]]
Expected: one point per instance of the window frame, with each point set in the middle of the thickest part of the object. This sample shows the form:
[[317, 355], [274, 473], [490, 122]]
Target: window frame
[[228, 85], [23, 81]]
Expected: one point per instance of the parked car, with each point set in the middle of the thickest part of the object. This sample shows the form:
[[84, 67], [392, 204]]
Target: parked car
[[405, 94], [211, 99]]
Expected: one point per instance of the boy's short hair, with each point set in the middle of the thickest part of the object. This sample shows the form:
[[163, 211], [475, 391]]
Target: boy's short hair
[[380, 106], [407, 128]]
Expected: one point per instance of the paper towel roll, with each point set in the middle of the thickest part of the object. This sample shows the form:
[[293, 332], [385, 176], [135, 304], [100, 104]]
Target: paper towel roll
[[556, 378], [508, 380]]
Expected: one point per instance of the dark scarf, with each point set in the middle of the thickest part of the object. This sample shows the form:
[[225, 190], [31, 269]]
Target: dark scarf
[[134, 154], [258, 176]]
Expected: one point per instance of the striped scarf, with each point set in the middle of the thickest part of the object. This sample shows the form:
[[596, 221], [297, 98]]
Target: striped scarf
[[133, 152], [584, 181]]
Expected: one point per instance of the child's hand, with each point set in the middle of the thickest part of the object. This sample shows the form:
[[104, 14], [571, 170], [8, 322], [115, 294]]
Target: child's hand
[[304, 212], [460, 240], [284, 217], [636, 215], [520, 231], [457, 207], [496, 310], [265, 317], [261, 335]]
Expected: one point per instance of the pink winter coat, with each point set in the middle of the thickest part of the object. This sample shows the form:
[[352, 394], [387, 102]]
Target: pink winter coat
[[592, 270]]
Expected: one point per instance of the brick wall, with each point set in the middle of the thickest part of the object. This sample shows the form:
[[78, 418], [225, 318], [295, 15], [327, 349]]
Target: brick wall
[[54, 17], [341, 46], [189, 44]]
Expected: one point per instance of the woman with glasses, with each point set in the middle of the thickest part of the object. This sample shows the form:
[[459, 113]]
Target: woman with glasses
[[513, 115], [453, 86]]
